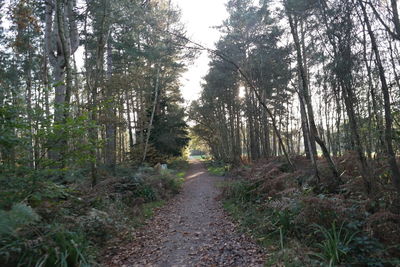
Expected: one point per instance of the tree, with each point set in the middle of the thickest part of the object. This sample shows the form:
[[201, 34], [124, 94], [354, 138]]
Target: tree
[[62, 40]]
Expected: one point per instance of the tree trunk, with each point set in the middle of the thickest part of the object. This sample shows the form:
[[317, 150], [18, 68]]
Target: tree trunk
[[62, 40], [110, 147], [306, 97], [387, 105], [155, 101]]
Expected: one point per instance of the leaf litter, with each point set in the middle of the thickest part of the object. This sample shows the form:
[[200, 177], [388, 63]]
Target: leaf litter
[[191, 230]]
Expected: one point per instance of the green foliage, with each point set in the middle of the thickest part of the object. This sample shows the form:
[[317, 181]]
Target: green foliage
[[75, 129], [146, 191], [31, 186], [170, 134], [20, 215], [62, 248], [271, 228], [24, 241], [281, 222], [336, 244], [217, 168], [240, 191], [284, 220], [368, 251], [10, 120], [68, 225], [148, 208], [180, 164], [13, 135], [219, 171], [300, 7]]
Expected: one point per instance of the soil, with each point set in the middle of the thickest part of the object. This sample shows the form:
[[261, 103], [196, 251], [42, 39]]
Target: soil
[[191, 230]]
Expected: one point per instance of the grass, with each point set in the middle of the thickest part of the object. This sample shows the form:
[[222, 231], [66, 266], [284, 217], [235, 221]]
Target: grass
[[269, 228], [196, 157], [336, 244], [219, 171], [259, 224], [181, 174], [148, 208], [217, 168], [277, 226]]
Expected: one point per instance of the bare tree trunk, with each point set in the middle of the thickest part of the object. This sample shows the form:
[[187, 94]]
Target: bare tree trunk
[[375, 109], [61, 40], [387, 105], [304, 87], [110, 147], [128, 111], [29, 109], [156, 92]]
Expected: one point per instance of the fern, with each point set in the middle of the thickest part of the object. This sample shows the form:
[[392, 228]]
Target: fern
[[19, 216]]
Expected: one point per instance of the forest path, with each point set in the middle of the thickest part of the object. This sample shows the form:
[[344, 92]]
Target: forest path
[[191, 230]]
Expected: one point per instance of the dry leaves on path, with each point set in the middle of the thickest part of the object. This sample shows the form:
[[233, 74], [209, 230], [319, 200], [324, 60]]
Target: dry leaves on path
[[191, 230]]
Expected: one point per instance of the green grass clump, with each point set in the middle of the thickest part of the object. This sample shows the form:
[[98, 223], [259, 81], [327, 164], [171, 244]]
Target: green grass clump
[[148, 208], [219, 171], [336, 244], [217, 168]]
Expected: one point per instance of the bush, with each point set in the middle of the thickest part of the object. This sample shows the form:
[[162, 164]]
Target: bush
[[60, 247], [26, 242], [98, 226], [321, 211], [240, 191], [13, 220], [59, 223], [385, 226], [178, 164], [218, 168]]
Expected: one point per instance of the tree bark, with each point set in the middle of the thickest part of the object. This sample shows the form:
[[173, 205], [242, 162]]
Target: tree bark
[[110, 147], [306, 97], [387, 105]]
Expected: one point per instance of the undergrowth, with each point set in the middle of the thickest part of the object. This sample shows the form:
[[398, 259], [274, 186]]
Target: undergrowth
[[301, 226], [217, 168], [44, 223]]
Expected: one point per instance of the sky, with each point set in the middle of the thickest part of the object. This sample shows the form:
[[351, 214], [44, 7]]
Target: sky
[[200, 16]]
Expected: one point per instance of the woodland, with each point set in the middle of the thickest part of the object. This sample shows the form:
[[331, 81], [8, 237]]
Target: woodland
[[301, 102], [300, 110]]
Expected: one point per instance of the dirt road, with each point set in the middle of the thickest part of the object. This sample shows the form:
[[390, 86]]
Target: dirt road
[[192, 230]]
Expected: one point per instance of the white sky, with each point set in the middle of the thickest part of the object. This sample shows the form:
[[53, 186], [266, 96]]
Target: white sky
[[199, 17]]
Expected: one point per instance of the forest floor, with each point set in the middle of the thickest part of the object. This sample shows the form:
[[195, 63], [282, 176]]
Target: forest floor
[[191, 230]]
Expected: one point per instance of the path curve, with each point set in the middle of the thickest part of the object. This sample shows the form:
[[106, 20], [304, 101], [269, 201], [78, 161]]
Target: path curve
[[192, 230]]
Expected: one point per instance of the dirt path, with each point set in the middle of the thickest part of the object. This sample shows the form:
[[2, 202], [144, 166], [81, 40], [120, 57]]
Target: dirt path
[[192, 230]]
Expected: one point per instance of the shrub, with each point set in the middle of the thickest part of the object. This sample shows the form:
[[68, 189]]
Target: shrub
[[98, 226], [320, 211], [19, 216], [217, 168], [13, 225], [60, 248], [43, 245], [385, 226], [366, 251], [178, 164], [284, 220], [146, 191], [240, 191]]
